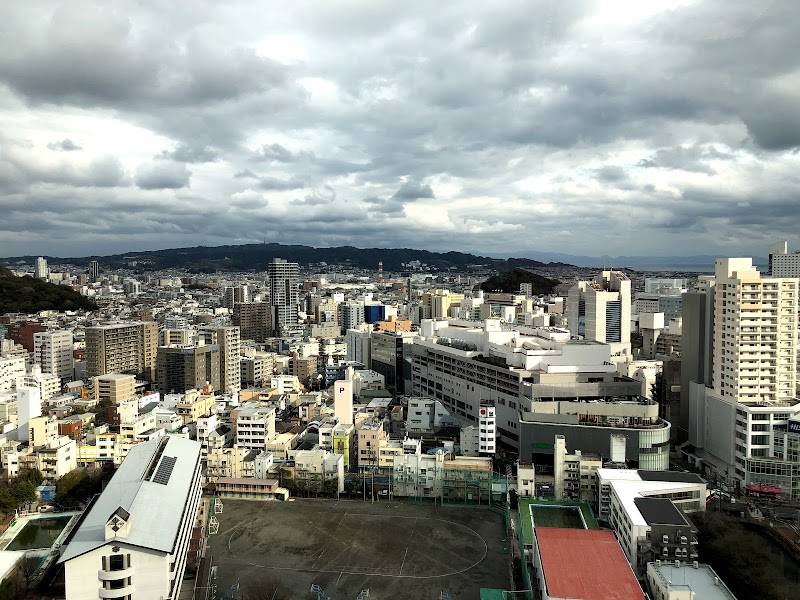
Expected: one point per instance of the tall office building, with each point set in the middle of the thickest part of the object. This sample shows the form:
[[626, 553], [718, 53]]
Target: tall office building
[[52, 351], [94, 271], [182, 368], [600, 311], [283, 281], [228, 340], [783, 263], [122, 348], [41, 270]]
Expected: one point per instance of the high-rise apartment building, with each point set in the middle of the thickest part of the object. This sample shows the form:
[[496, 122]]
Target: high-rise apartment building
[[254, 320], [122, 348], [236, 295], [41, 271], [351, 315], [738, 416], [94, 271], [600, 311], [182, 368], [283, 281], [52, 351], [228, 340]]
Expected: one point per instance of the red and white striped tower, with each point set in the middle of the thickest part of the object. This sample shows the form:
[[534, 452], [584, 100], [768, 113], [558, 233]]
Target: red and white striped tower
[[380, 271]]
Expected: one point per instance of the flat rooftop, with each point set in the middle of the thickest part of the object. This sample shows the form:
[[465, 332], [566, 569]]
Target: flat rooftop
[[535, 512], [701, 580], [586, 564], [660, 511]]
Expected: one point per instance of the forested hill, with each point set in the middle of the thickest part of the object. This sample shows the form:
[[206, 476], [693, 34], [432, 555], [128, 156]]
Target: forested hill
[[509, 282], [254, 257], [29, 295]]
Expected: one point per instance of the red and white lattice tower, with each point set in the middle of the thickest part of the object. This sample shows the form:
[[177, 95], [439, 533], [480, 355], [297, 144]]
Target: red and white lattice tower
[[380, 271]]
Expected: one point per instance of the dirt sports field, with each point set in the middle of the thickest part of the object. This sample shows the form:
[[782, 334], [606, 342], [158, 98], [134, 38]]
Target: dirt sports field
[[276, 550]]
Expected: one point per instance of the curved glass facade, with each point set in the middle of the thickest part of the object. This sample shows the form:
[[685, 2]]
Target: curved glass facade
[[654, 448]]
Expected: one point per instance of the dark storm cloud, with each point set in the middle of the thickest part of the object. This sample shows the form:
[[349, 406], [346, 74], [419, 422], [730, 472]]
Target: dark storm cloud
[[162, 175], [64, 146], [519, 115]]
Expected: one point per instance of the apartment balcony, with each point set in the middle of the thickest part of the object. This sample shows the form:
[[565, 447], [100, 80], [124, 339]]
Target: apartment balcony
[[117, 593], [112, 575]]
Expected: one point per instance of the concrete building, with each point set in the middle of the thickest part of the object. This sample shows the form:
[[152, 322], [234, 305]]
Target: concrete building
[[195, 404], [227, 338], [668, 580], [256, 368], [135, 538], [52, 351], [94, 271], [122, 348], [114, 387], [254, 426], [343, 401], [429, 415], [49, 385], [254, 320], [783, 263], [390, 356], [632, 503], [179, 337], [752, 354], [11, 369], [283, 290], [40, 270], [359, 345], [313, 469], [574, 475], [600, 310], [29, 406], [57, 457], [181, 368], [351, 315], [371, 436], [560, 554]]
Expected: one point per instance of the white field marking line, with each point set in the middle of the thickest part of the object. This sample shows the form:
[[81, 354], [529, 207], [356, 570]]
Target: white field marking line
[[404, 561], [316, 559], [375, 574]]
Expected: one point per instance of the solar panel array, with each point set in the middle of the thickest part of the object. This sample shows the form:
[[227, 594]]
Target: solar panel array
[[164, 470]]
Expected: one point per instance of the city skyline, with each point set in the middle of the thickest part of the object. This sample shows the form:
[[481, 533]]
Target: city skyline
[[623, 129]]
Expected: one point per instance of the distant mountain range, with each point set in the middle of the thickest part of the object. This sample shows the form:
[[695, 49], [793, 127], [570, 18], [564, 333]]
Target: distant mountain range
[[705, 261], [254, 257]]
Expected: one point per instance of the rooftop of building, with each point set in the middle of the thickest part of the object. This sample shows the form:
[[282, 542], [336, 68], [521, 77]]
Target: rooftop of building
[[604, 572], [560, 515], [152, 485], [700, 581], [659, 511]]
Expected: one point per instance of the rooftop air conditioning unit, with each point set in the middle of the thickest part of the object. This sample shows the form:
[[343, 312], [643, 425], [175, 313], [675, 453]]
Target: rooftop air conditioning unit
[[677, 564]]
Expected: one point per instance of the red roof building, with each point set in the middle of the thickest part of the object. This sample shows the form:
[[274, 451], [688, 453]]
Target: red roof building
[[586, 564]]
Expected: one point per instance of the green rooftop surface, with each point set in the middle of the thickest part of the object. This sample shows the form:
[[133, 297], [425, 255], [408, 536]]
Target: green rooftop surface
[[553, 513]]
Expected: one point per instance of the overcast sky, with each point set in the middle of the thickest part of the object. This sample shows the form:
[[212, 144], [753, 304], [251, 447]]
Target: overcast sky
[[497, 127]]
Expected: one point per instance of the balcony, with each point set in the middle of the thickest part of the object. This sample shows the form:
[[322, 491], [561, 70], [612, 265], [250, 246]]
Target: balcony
[[118, 593], [111, 575]]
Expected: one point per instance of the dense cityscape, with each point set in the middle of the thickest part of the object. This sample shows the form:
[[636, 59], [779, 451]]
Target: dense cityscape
[[236, 434], [370, 300]]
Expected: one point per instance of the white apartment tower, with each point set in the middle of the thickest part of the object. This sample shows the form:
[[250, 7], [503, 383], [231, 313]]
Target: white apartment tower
[[600, 311], [41, 271], [52, 351], [753, 378], [228, 340], [283, 293], [755, 334]]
